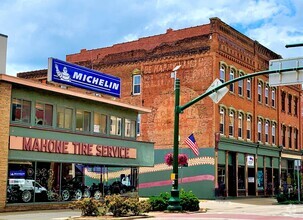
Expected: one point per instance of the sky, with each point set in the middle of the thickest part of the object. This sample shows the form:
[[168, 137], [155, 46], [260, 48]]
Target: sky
[[39, 29]]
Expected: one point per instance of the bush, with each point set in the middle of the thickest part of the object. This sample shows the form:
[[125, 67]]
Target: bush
[[122, 206], [89, 207], [159, 203], [188, 201]]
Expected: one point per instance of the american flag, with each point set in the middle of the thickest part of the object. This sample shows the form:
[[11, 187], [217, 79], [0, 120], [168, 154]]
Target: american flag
[[191, 142]]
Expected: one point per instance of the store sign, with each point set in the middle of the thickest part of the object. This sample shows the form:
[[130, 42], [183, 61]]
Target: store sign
[[250, 161], [17, 173], [84, 78], [65, 147]]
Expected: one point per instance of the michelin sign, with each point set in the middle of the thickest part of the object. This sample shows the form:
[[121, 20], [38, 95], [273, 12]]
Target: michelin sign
[[81, 77]]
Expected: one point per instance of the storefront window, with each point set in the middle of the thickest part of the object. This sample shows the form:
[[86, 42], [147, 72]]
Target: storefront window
[[260, 179], [30, 181], [100, 122], [64, 117], [83, 120], [130, 128], [21, 110], [44, 114], [221, 180], [241, 177]]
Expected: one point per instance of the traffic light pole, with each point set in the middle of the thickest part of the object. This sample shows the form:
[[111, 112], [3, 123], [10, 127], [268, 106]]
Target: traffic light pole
[[174, 201]]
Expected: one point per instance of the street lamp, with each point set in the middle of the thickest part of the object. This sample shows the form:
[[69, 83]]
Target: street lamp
[[174, 201]]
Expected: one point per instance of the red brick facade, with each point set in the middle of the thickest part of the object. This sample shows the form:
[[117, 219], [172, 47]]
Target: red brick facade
[[200, 50]]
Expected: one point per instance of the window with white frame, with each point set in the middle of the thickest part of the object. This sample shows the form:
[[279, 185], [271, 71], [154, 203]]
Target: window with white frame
[[115, 125], [136, 84], [273, 133], [231, 122], [222, 120], [273, 98], [240, 86], [266, 94], [138, 127], [240, 125], [259, 92], [222, 73], [260, 130], [231, 77], [248, 127], [130, 128], [266, 131], [248, 88]]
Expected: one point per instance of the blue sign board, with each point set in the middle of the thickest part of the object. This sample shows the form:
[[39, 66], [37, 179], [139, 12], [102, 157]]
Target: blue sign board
[[18, 173], [81, 77]]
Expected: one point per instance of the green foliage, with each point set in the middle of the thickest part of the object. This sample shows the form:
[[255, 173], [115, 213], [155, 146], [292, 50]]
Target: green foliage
[[123, 206], [188, 201], [159, 203], [89, 207], [291, 198]]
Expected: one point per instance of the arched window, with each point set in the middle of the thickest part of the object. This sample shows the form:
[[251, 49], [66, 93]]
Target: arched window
[[222, 120], [231, 122], [273, 133], [266, 131], [222, 73], [248, 88], [248, 127], [240, 125], [231, 77], [260, 130]]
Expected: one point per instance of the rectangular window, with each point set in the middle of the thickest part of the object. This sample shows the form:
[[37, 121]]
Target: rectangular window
[[289, 137], [295, 106], [240, 87], [231, 77], [248, 128], [266, 132], [289, 103], [100, 123], [266, 95], [136, 84], [283, 94], [21, 110], [296, 138], [44, 114], [231, 123], [273, 98], [138, 125], [222, 120], [260, 131], [240, 125], [64, 117], [83, 120], [283, 135], [115, 125], [248, 88], [259, 92], [130, 128], [273, 133], [222, 73]]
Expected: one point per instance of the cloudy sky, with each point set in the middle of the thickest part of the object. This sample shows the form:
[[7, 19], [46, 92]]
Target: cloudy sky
[[38, 29]]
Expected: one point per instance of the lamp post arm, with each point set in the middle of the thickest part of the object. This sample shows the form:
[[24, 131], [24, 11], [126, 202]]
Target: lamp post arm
[[190, 103], [294, 45]]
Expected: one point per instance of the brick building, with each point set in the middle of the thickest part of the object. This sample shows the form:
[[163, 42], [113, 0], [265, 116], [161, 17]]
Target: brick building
[[248, 141]]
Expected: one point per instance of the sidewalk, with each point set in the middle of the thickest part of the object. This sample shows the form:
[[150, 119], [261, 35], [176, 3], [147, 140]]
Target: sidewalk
[[246, 208]]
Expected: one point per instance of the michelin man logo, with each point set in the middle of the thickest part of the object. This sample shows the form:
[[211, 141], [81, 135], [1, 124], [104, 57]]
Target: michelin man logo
[[62, 75]]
